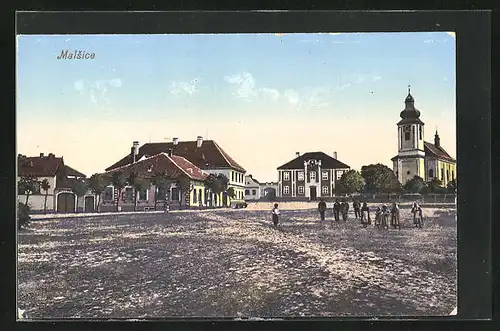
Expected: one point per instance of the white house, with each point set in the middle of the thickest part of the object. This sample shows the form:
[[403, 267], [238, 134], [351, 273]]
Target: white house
[[252, 188]]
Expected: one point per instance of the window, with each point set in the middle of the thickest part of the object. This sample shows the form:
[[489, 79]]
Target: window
[[128, 194], [175, 194], [442, 173], [301, 189], [286, 189], [420, 131], [247, 192], [254, 192], [312, 175], [339, 174], [161, 194], [452, 175], [143, 195], [407, 130], [108, 194], [300, 175], [232, 176], [36, 188], [195, 197], [431, 173], [324, 175], [200, 196], [286, 175], [324, 189], [408, 172], [448, 175]]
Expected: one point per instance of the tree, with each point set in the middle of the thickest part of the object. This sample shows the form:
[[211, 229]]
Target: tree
[[132, 179], [379, 178], [350, 182], [23, 217], [184, 185], [414, 185], [27, 185], [217, 183], [452, 186], [161, 182], [435, 186], [118, 181], [97, 184], [231, 193], [140, 184], [79, 187], [45, 186]]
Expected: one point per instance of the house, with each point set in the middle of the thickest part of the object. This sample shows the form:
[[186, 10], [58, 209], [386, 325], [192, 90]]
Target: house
[[268, 190], [206, 155], [310, 176], [417, 157], [252, 188], [186, 188], [59, 197]]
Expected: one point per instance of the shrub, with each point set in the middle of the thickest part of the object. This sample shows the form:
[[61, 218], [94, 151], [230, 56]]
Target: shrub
[[23, 217]]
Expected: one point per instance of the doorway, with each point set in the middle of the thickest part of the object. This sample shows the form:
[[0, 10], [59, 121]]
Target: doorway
[[313, 193]]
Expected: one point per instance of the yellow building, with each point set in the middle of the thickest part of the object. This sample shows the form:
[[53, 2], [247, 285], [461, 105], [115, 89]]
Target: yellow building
[[417, 157]]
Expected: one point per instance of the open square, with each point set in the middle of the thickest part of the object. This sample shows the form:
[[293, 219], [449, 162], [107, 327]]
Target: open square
[[232, 263]]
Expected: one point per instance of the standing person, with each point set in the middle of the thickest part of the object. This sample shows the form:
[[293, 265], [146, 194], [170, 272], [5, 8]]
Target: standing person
[[395, 216], [357, 206], [336, 210], [344, 208], [378, 217], [385, 217], [276, 214], [416, 210], [365, 215], [322, 209]]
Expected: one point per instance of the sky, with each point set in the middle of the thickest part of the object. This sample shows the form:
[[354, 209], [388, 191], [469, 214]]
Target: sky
[[261, 97]]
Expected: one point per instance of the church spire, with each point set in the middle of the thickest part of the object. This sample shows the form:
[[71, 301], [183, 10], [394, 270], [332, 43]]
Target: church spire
[[437, 140], [410, 112]]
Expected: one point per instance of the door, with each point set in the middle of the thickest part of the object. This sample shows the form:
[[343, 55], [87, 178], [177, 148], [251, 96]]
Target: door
[[89, 204], [313, 192], [66, 203]]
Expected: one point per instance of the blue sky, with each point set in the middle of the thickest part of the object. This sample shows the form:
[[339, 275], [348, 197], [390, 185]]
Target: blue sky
[[200, 81]]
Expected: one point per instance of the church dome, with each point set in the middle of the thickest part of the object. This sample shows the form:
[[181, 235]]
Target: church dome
[[410, 112]]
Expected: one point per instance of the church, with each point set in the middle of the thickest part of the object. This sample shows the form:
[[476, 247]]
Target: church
[[417, 157]]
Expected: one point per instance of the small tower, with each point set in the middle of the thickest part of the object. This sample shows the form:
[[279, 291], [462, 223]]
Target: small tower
[[410, 159]]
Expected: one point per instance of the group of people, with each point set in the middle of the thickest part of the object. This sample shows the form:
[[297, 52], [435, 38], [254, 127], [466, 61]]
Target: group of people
[[384, 216]]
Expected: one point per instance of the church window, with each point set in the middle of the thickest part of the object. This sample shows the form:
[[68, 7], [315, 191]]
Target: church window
[[431, 173], [442, 173], [408, 172], [447, 175], [407, 130], [452, 175], [420, 132]]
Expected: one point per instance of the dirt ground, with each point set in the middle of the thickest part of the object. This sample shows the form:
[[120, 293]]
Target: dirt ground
[[232, 263]]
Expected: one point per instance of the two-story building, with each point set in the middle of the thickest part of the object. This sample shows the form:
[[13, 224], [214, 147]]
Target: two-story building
[[59, 197], [310, 176], [206, 155]]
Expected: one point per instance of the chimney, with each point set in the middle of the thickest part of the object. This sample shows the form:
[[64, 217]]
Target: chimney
[[41, 154], [132, 154], [335, 155], [175, 140], [135, 145], [437, 140], [51, 156], [169, 152], [199, 141], [297, 154]]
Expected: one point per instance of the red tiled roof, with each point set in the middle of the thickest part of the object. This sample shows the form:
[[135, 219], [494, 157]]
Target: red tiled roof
[[174, 167], [437, 151], [209, 156], [41, 166]]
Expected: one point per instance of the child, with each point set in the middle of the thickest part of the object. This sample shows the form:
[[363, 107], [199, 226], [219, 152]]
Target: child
[[417, 215], [275, 213]]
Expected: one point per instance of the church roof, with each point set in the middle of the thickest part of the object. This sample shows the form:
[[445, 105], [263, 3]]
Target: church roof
[[437, 151], [410, 114]]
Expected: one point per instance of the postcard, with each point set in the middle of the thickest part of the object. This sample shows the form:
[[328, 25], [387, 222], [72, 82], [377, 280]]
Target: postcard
[[258, 175]]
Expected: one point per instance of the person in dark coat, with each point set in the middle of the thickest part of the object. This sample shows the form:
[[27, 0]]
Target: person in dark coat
[[385, 217], [378, 217], [336, 210], [365, 215], [395, 216], [322, 209], [357, 208], [344, 208], [416, 210]]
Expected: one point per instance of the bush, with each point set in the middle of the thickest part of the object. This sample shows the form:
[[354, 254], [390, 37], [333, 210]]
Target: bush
[[23, 217]]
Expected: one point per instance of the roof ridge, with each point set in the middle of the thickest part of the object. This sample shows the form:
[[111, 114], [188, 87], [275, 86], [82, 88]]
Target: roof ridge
[[139, 161], [178, 166], [223, 154]]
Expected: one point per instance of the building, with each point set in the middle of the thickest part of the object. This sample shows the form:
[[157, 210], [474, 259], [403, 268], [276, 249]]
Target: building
[[417, 157], [59, 197], [252, 188], [206, 155], [191, 194], [310, 176], [268, 191]]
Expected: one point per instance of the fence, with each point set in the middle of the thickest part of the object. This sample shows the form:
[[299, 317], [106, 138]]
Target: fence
[[421, 198]]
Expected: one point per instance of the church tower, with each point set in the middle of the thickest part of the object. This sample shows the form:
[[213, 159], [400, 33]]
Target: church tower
[[410, 160]]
